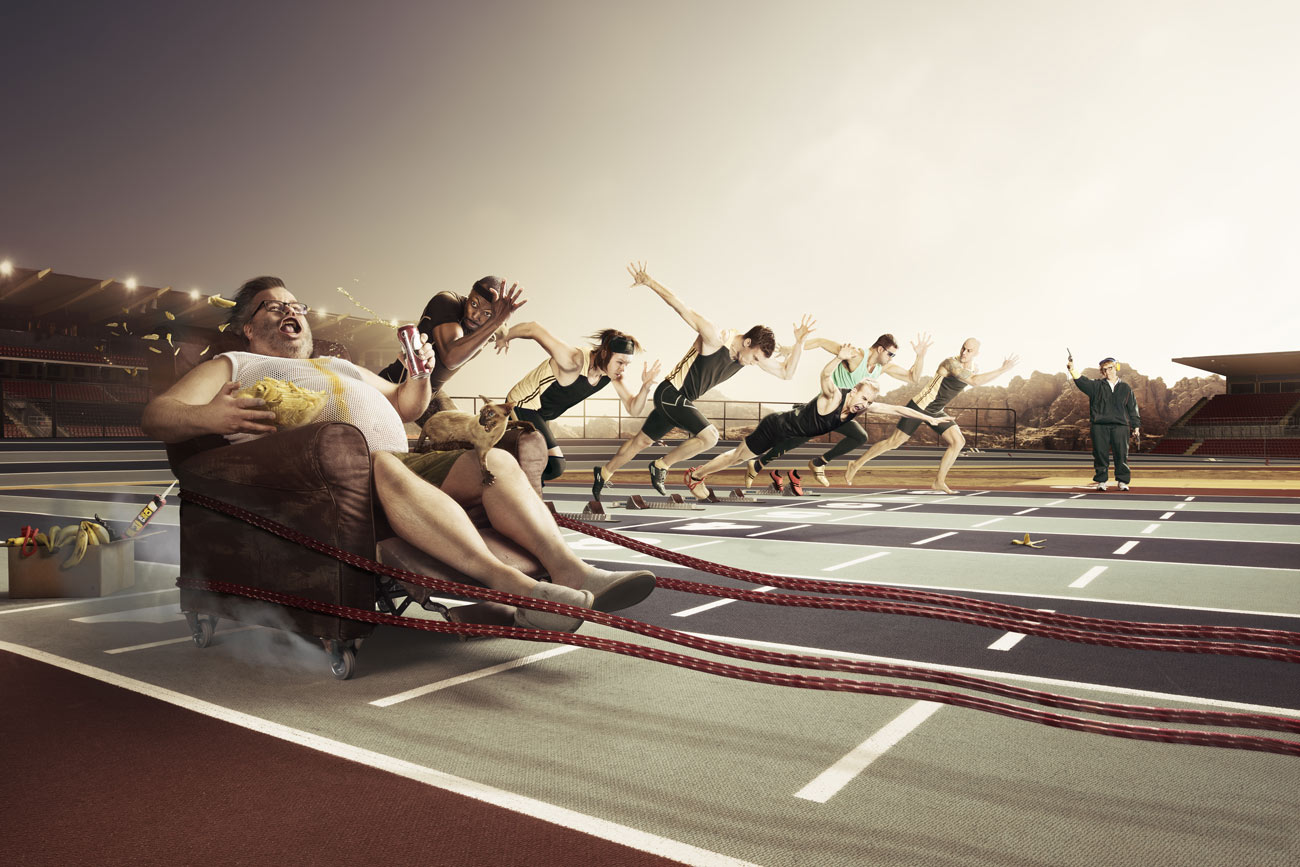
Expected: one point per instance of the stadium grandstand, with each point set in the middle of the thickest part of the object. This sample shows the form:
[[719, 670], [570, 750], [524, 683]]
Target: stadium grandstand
[[1257, 417], [79, 356]]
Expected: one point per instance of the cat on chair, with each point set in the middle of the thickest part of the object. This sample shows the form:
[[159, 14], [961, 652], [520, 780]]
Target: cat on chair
[[451, 429]]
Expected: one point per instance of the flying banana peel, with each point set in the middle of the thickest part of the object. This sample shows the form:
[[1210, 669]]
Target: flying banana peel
[[292, 404], [218, 301]]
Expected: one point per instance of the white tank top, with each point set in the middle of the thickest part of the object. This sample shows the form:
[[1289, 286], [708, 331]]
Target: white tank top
[[348, 397]]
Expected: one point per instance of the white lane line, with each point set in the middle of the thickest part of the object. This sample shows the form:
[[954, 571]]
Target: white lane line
[[855, 562], [1180, 505], [840, 774], [718, 603], [976, 493], [1007, 675], [1054, 503], [700, 545], [853, 514], [1189, 499], [986, 523], [1077, 496], [935, 538], [473, 675], [777, 530], [1026, 511], [901, 508], [521, 804], [1084, 579], [187, 638], [1127, 546], [1011, 639], [1166, 516], [1150, 528], [85, 600], [687, 547]]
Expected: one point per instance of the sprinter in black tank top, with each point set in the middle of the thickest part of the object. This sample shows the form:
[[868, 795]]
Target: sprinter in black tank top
[[714, 357], [828, 410], [570, 376]]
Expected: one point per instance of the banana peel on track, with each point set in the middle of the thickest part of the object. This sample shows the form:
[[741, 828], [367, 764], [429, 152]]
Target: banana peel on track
[[1028, 542]]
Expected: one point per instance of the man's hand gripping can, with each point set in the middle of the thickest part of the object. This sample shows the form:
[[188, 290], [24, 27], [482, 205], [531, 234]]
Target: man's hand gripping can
[[409, 337]]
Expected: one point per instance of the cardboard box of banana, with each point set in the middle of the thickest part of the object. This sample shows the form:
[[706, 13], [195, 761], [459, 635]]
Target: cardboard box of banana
[[79, 559]]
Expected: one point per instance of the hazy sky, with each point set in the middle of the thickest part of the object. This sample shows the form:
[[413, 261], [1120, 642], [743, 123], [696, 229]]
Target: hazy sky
[[1119, 177]]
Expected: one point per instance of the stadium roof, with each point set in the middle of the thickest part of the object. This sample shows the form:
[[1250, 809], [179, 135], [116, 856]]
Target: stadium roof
[[31, 294], [1252, 364]]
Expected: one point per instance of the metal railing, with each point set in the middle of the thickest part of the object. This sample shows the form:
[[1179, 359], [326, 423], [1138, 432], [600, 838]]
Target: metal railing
[[605, 418]]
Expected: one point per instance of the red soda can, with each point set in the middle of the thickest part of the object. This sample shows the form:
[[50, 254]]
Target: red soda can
[[409, 337]]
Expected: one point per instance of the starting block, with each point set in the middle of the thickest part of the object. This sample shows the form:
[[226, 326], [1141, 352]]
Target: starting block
[[786, 490], [737, 495], [592, 513], [674, 501]]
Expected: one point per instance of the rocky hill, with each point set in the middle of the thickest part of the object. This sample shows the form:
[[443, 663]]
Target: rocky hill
[[1052, 413]]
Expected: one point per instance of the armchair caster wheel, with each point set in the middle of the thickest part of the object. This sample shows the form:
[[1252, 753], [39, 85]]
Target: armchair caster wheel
[[201, 628], [343, 659]]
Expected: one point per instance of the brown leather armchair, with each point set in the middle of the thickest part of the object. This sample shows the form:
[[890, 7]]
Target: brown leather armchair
[[316, 480]]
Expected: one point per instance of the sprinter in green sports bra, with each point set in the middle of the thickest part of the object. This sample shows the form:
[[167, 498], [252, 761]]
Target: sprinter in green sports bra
[[857, 367]]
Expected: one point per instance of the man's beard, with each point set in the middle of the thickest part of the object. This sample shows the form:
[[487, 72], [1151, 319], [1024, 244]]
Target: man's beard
[[282, 345]]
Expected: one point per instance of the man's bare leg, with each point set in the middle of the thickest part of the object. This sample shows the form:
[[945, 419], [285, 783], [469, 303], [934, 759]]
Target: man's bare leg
[[630, 449], [434, 522], [702, 441], [514, 510], [730, 458], [893, 441], [953, 437]]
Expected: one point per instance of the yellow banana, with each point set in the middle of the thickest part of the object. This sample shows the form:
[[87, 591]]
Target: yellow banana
[[92, 538], [83, 539], [100, 532], [63, 536], [218, 301], [42, 539]]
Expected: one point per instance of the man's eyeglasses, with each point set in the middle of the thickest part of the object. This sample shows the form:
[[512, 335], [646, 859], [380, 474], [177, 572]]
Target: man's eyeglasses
[[279, 308], [891, 353]]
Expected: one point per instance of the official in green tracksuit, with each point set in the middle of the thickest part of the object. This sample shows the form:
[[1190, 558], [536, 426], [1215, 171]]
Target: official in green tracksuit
[[1113, 413]]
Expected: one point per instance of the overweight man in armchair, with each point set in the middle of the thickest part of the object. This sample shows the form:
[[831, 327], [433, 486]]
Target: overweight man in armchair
[[424, 496]]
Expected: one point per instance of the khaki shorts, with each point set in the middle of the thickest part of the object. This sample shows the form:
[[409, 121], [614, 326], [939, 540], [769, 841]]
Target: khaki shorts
[[431, 466]]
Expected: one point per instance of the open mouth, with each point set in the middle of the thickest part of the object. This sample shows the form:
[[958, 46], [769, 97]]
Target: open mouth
[[291, 326]]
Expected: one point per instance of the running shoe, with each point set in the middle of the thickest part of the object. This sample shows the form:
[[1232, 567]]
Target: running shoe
[[777, 481], [796, 483], [819, 473], [1100, 486], [696, 486], [751, 473], [597, 483], [659, 478], [1123, 487]]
